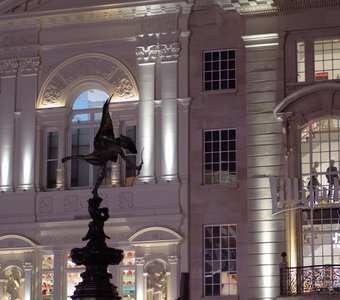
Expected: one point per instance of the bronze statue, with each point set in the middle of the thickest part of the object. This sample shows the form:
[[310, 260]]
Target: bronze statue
[[107, 148]]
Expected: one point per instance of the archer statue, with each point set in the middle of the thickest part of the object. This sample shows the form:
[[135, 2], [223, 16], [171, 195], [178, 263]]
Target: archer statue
[[107, 148]]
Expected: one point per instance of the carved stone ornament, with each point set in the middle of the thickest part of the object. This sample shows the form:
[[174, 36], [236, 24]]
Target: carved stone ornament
[[147, 54], [45, 205], [140, 260], [8, 67], [173, 258], [169, 52], [29, 65], [126, 200], [95, 66]]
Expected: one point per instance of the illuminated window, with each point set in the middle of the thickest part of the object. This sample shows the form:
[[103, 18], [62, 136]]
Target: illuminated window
[[85, 123], [320, 162], [72, 276], [128, 276], [52, 159], [301, 68], [220, 261], [327, 59], [47, 277], [219, 156], [219, 71]]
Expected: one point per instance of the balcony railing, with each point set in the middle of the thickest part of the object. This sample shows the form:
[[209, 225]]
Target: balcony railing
[[309, 280]]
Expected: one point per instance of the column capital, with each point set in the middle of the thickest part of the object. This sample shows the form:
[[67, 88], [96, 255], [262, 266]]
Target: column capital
[[173, 259], [29, 65], [27, 266], [147, 54], [169, 52], [140, 260], [9, 67]]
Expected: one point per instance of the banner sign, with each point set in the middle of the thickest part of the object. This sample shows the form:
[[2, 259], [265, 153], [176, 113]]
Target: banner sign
[[286, 195]]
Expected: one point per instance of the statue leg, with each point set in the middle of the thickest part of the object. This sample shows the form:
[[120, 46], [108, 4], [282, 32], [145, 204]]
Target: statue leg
[[102, 175]]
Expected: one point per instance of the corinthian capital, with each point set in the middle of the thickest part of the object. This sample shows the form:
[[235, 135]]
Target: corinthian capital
[[169, 52], [147, 54], [29, 65], [8, 67]]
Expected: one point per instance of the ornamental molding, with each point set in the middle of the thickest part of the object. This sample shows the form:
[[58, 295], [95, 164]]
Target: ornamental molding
[[245, 7], [9, 67], [83, 69], [29, 65], [166, 52], [31, 13]]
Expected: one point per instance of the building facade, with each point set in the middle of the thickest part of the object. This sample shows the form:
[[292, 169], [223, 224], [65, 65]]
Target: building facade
[[59, 61], [264, 157]]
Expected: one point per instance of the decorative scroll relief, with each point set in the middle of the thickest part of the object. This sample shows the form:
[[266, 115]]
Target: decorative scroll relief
[[89, 68], [169, 52], [9, 67], [147, 54]]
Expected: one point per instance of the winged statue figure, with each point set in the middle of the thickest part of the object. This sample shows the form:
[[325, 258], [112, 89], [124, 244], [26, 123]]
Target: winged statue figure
[[107, 148]]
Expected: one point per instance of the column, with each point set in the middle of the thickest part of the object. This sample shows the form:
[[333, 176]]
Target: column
[[8, 71], [169, 91], [140, 280], [26, 97], [57, 278], [27, 281], [61, 172], [115, 166], [173, 278], [3, 283], [146, 57]]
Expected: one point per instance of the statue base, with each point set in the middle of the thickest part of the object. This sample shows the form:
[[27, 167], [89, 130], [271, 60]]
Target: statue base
[[96, 257]]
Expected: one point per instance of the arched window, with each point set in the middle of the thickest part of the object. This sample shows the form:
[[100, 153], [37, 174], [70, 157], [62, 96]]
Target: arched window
[[86, 116], [320, 157]]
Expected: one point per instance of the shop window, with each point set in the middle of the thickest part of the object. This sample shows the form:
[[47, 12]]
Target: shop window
[[219, 156], [220, 260], [128, 276], [301, 67], [52, 159], [219, 70], [47, 277], [72, 276]]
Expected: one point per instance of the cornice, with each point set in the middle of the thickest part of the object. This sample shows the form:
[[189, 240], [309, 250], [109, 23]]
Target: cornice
[[251, 7], [90, 15]]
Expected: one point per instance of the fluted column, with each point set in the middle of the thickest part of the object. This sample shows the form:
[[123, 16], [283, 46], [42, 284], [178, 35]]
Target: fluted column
[[26, 97], [27, 281], [8, 71], [140, 284], [146, 57], [169, 90]]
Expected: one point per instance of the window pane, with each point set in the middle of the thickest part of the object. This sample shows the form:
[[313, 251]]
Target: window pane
[[222, 65], [90, 99], [220, 271]]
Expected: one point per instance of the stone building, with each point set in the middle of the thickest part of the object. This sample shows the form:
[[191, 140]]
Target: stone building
[[59, 61], [264, 156]]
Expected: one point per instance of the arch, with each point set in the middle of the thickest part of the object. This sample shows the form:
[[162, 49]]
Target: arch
[[83, 72], [312, 102], [15, 241], [156, 234]]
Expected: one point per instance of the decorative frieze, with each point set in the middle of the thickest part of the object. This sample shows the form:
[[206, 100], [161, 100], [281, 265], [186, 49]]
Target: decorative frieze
[[166, 52], [45, 205], [72, 203], [126, 200]]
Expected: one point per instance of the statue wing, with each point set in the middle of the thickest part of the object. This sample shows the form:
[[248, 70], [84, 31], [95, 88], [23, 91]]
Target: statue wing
[[127, 143], [105, 132]]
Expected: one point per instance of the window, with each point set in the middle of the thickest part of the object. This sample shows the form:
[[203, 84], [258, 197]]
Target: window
[[320, 145], [220, 261], [128, 276], [72, 276], [219, 156], [85, 123], [47, 277], [301, 68], [219, 70], [327, 59], [52, 159]]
